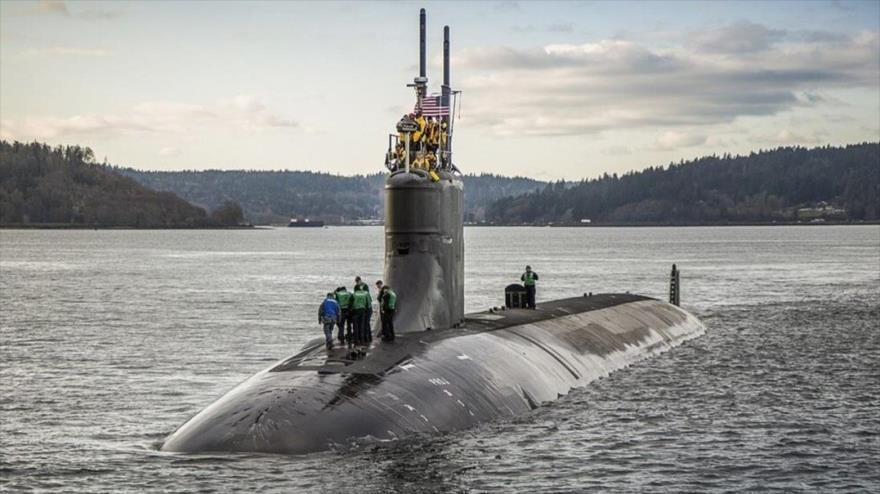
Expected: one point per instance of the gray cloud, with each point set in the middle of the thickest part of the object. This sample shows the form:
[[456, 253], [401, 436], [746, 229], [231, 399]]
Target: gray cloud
[[65, 51], [60, 8], [242, 113], [560, 27], [610, 84], [740, 37]]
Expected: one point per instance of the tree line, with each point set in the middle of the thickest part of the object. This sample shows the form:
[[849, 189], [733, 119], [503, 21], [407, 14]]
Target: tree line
[[63, 186], [779, 185], [276, 196]]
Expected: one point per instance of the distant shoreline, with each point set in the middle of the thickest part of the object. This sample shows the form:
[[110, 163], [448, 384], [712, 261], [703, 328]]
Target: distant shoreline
[[54, 226], [537, 225], [679, 225]]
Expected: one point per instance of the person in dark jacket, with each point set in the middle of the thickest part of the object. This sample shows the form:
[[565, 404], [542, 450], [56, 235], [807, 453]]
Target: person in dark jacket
[[328, 315], [343, 296], [360, 303], [359, 284], [387, 306], [379, 302], [529, 278]]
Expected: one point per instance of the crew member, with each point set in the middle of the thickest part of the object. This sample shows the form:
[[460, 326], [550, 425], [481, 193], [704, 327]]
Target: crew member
[[529, 278], [420, 132], [359, 284], [360, 304], [379, 293], [444, 134], [368, 315], [431, 135], [328, 315], [343, 296], [388, 305]]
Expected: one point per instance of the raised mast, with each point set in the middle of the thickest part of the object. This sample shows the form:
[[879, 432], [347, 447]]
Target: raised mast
[[421, 82]]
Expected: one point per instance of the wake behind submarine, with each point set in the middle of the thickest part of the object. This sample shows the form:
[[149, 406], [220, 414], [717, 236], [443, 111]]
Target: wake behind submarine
[[445, 371]]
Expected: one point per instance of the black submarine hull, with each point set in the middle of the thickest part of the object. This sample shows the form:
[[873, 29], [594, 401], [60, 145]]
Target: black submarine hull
[[497, 365]]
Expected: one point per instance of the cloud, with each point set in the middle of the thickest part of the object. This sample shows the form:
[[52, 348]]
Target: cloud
[[53, 7], [59, 8], [241, 113], [508, 6], [66, 51], [576, 89], [169, 151], [740, 37], [789, 137], [671, 140], [560, 27], [617, 151]]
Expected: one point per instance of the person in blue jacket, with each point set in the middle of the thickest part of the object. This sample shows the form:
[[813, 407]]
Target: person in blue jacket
[[328, 315]]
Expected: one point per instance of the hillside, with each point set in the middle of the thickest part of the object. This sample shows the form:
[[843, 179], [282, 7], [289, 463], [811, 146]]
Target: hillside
[[783, 185], [276, 196], [41, 185]]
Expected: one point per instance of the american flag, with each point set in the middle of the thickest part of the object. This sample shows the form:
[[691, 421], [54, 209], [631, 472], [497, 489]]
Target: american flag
[[432, 106]]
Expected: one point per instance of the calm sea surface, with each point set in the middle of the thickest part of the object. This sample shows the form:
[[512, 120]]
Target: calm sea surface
[[112, 339]]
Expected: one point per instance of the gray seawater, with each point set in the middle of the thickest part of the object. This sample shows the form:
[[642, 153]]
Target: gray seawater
[[112, 339]]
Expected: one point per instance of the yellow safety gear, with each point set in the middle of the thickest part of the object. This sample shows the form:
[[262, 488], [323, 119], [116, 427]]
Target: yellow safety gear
[[444, 135], [422, 123]]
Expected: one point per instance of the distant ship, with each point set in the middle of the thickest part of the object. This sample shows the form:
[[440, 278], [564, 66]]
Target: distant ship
[[297, 223]]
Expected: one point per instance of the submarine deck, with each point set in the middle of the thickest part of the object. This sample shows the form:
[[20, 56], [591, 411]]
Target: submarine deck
[[380, 357]]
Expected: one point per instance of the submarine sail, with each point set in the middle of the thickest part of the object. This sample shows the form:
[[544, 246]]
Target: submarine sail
[[424, 236]]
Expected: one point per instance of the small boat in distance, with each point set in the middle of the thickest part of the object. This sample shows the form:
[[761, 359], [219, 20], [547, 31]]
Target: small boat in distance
[[297, 223]]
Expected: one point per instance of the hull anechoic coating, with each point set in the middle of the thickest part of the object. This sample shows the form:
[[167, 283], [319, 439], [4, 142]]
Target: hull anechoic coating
[[497, 365], [424, 249]]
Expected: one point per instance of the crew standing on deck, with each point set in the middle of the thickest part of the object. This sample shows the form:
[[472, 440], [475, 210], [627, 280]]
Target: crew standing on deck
[[529, 278], [343, 296], [387, 306], [328, 315], [368, 316], [379, 293], [360, 304]]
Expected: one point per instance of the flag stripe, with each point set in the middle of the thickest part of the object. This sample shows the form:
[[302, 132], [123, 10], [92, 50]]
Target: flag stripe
[[431, 106]]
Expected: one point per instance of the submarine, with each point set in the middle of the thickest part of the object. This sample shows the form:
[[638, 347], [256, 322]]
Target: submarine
[[445, 370]]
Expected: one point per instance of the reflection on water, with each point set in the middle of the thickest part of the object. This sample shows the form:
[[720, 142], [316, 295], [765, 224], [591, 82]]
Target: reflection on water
[[111, 339]]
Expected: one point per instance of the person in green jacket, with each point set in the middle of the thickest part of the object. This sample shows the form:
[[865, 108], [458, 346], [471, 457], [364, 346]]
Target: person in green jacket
[[529, 278], [360, 303], [343, 297], [387, 306]]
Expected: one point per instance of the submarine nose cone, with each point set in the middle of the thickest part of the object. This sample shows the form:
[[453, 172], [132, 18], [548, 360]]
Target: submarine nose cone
[[264, 413]]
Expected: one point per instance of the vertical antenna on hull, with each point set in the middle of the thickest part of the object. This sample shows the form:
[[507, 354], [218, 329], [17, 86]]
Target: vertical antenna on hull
[[445, 151], [422, 43], [421, 82], [446, 61]]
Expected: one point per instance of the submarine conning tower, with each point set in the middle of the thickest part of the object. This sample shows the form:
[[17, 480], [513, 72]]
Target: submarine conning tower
[[424, 242]]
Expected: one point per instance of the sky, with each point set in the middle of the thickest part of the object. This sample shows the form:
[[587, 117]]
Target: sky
[[550, 90]]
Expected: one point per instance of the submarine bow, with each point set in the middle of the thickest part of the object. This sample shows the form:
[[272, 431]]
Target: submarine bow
[[498, 364]]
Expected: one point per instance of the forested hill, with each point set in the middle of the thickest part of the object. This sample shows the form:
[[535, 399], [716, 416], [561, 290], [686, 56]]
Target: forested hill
[[276, 196], [62, 186], [783, 185]]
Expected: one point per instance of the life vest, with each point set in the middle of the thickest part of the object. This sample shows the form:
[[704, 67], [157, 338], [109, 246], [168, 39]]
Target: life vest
[[422, 123], [529, 278], [389, 300], [435, 133], [361, 299], [344, 299]]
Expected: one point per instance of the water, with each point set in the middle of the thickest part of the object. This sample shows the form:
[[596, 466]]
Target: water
[[111, 339]]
